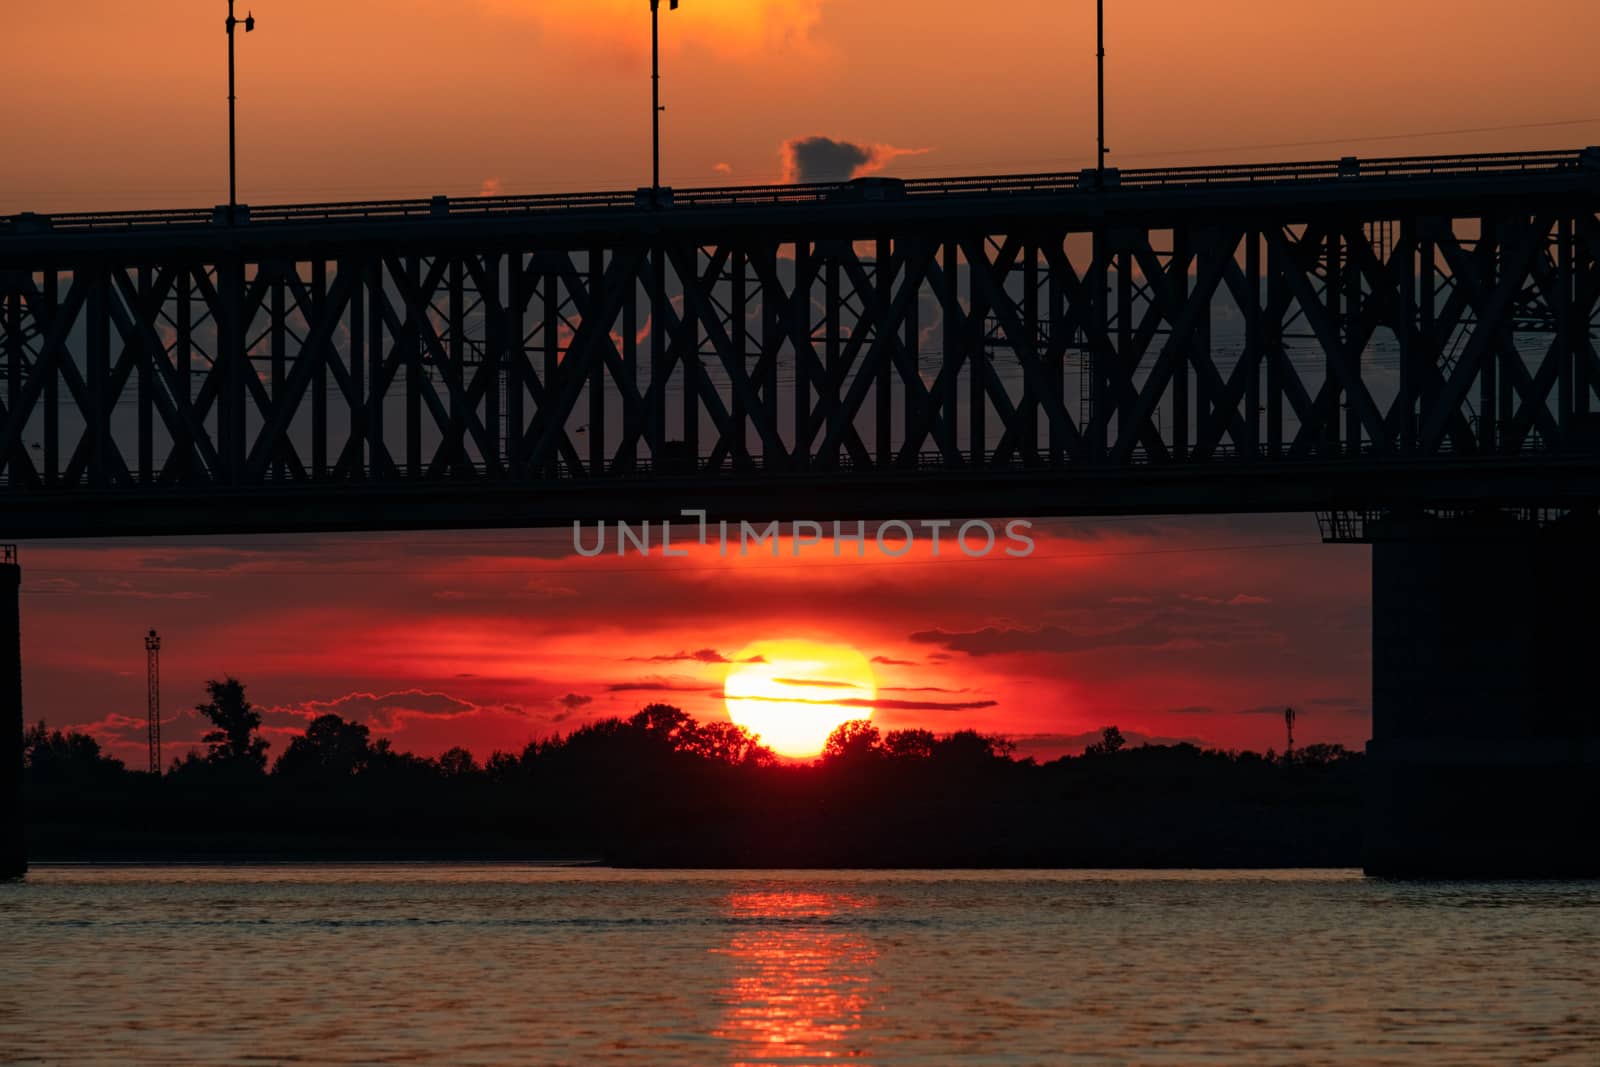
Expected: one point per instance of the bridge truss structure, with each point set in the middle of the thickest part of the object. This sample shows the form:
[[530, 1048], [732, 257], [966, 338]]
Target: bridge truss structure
[[1339, 336]]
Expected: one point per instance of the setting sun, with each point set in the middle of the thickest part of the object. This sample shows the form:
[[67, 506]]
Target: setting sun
[[793, 694]]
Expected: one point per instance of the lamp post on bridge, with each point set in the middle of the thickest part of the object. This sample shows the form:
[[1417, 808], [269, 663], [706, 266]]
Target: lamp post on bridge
[[249, 23], [1100, 54], [655, 98]]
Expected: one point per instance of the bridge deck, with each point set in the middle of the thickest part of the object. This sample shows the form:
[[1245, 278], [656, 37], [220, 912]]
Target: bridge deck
[[1351, 173]]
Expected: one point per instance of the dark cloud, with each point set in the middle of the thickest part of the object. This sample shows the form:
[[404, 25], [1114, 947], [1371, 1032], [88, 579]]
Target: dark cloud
[[108, 587], [888, 661], [1321, 706], [1183, 628], [379, 709], [574, 701], [116, 727], [699, 655], [881, 704], [52, 586], [1240, 600], [931, 705], [822, 159], [819, 682], [1193, 709], [662, 686], [1000, 640]]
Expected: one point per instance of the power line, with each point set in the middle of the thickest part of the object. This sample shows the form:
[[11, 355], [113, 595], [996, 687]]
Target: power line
[[1376, 138]]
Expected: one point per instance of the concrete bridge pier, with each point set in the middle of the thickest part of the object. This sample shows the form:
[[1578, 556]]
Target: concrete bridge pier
[[1485, 757], [13, 832]]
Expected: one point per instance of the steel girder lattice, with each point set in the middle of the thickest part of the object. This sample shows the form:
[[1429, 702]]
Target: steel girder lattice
[[1236, 357]]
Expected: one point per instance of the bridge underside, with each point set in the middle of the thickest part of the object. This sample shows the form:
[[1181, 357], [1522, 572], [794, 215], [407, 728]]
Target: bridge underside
[[1568, 485]]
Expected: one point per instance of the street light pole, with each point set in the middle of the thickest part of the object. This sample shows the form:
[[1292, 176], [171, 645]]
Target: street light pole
[[655, 98], [233, 137], [1100, 36]]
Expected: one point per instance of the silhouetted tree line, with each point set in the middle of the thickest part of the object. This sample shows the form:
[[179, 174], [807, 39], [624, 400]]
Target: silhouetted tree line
[[660, 788]]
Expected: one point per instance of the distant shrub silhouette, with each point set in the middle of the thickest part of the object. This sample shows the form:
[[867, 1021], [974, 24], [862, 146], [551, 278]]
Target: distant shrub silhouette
[[51, 756], [971, 747], [386, 768], [853, 742], [1322, 755], [727, 743], [233, 744], [663, 724], [909, 744], [458, 763], [660, 788], [1111, 742], [330, 750]]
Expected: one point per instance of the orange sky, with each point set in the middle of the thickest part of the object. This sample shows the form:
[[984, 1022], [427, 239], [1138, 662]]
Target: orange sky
[[484, 640], [1201, 629], [113, 104]]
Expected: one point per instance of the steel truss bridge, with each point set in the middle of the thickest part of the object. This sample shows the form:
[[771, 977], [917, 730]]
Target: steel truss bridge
[[1352, 335]]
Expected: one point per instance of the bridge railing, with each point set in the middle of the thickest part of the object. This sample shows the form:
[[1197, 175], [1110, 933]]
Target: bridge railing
[[1352, 167], [1077, 183]]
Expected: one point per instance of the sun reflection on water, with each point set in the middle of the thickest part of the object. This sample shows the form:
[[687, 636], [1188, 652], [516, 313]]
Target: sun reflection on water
[[802, 978]]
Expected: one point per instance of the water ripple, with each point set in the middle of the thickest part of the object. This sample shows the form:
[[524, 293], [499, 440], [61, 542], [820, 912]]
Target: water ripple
[[487, 965]]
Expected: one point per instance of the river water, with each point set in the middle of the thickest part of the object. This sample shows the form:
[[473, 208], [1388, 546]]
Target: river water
[[579, 965]]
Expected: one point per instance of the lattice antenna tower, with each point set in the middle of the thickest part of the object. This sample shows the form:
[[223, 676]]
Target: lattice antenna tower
[[152, 651]]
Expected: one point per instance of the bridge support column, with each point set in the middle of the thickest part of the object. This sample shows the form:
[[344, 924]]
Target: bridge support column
[[13, 831], [1485, 757]]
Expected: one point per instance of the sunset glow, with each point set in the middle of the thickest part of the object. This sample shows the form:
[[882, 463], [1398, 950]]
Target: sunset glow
[[756, 532], [734, 28], [793, 694], [1195, 630]]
